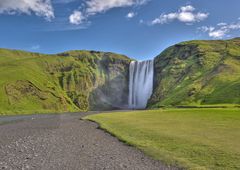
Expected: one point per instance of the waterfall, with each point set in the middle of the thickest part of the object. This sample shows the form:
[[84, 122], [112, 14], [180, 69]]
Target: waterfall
[[140, 83]]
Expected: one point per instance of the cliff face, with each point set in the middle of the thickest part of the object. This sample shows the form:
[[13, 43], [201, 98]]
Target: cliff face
[[197, 73], [66, 82], [104, 83], [189, 73]]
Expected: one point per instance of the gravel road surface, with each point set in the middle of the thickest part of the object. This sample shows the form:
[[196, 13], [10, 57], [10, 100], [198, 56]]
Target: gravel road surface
[[59, 142]]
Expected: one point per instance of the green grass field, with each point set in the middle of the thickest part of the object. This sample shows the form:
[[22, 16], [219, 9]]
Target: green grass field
[[187, 138]]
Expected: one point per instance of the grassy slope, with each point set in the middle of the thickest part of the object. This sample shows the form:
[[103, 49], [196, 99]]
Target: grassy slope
[[32, 83], [198, 73], [190, 138], [189, 73]]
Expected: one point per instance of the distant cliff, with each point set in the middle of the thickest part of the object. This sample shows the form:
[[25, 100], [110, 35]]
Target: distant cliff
[[197, 73], [66, 82]]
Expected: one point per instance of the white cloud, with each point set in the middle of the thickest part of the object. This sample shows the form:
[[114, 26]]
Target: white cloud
[[206, 29], [93, 7], [130, 15], [41, 8], [98, 6], [187, 8], [186, 17], [76, 18], [221, 24], [185, 14], [221, 30], [217, 33]]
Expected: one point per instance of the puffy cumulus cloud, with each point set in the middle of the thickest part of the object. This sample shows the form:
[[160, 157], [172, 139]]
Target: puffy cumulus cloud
[[41, 8], [93, 7], [97, 6], [185, 14], [187, 8], [131, 15], [76, 18], [217, 33], [221, 30]]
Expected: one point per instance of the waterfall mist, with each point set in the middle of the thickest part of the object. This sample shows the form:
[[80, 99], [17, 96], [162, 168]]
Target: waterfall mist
[[140, 83]]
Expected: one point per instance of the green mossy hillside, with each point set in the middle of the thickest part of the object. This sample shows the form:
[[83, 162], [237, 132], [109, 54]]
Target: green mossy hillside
[[193, 73], [66, 82], [196, 73]]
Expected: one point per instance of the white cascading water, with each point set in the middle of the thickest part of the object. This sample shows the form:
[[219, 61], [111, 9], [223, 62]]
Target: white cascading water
[[140, 83]]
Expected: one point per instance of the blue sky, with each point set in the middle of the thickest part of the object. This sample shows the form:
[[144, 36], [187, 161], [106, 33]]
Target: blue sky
[[138, 28]]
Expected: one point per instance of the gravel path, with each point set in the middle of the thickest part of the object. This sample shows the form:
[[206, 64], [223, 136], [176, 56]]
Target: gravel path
[[59, 142]]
